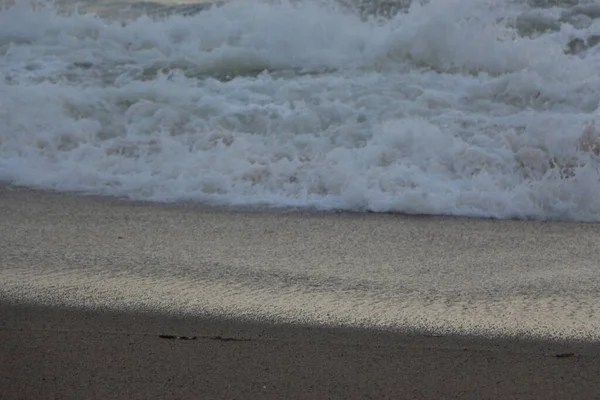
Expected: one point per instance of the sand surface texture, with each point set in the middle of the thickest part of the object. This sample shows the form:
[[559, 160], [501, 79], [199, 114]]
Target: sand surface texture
[[50, 353], [434, 274], [109, 299]]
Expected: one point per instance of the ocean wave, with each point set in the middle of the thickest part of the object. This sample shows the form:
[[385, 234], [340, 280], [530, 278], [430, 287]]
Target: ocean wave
[[483, 109]]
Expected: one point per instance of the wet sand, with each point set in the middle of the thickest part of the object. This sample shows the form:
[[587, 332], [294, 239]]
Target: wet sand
[[436, 274], [52, 353], [471, 308]]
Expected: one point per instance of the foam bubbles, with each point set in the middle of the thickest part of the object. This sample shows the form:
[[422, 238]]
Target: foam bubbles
[[437, 110]]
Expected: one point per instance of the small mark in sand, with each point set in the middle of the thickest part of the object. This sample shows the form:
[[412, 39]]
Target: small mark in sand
[[563, 355], [178, 337], [219, 338]]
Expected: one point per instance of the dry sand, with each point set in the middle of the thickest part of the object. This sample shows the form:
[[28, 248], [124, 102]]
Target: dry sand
[[207, 272]]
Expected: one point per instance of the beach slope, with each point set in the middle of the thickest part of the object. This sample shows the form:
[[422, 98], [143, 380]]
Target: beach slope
[[290, 304]]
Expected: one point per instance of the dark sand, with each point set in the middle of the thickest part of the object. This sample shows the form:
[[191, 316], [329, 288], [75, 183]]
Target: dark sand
[[200, 269], [54, 353]]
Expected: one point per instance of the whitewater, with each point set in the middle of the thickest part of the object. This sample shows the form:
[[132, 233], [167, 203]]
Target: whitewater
[[471, 107]]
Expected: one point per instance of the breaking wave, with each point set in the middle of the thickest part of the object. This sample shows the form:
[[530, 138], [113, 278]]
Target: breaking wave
[[443, 107]]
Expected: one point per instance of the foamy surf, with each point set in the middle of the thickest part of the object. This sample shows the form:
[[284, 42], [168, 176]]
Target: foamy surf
[[478, 108]]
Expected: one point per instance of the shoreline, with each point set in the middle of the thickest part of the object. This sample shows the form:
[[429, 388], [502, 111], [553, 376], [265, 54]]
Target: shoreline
[[309, 211]]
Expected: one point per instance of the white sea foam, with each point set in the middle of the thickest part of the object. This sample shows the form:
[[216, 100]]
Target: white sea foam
[[454, 107]]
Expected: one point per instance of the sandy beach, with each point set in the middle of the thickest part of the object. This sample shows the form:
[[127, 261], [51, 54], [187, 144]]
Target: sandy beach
[[310, 199], [52, 353], [404, 273], [290, 304]]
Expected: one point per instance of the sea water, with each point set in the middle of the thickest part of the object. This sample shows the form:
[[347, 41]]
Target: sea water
[[462, 107]]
